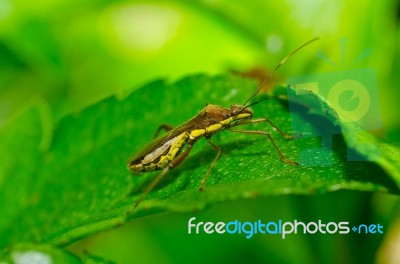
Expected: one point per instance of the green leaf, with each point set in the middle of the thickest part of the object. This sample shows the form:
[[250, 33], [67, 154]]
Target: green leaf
[[79, 185], [384, 154], [93, 259], [46, 254], [28, 253]]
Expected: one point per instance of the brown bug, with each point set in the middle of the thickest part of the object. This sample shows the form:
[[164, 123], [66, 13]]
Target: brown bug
[[171, 149]]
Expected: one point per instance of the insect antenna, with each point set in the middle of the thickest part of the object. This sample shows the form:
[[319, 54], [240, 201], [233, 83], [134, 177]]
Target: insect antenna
[[271, 73]]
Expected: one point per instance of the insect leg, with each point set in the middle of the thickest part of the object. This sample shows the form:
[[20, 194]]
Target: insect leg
[[264, 133], [166, 127], [260, 120], [174, 163], [218, 150]]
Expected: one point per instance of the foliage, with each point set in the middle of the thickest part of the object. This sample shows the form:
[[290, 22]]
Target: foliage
[[76, 182]]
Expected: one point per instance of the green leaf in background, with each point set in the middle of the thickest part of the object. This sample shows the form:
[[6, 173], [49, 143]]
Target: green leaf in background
[[384, 154], [41, 254], [60, 58], [46, 254], [79, 185]]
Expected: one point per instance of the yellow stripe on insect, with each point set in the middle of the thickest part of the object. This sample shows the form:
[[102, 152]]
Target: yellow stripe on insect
[[163, 162], [174, 149], [226, 121], [172, 153], [241, 116], [197, 132], [214, 127]]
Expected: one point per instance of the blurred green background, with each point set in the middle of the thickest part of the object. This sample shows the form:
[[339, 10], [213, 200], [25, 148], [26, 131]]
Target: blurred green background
[[73, 53]]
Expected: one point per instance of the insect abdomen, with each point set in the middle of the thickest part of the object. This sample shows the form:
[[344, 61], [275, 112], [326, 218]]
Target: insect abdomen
[[160, 157]]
